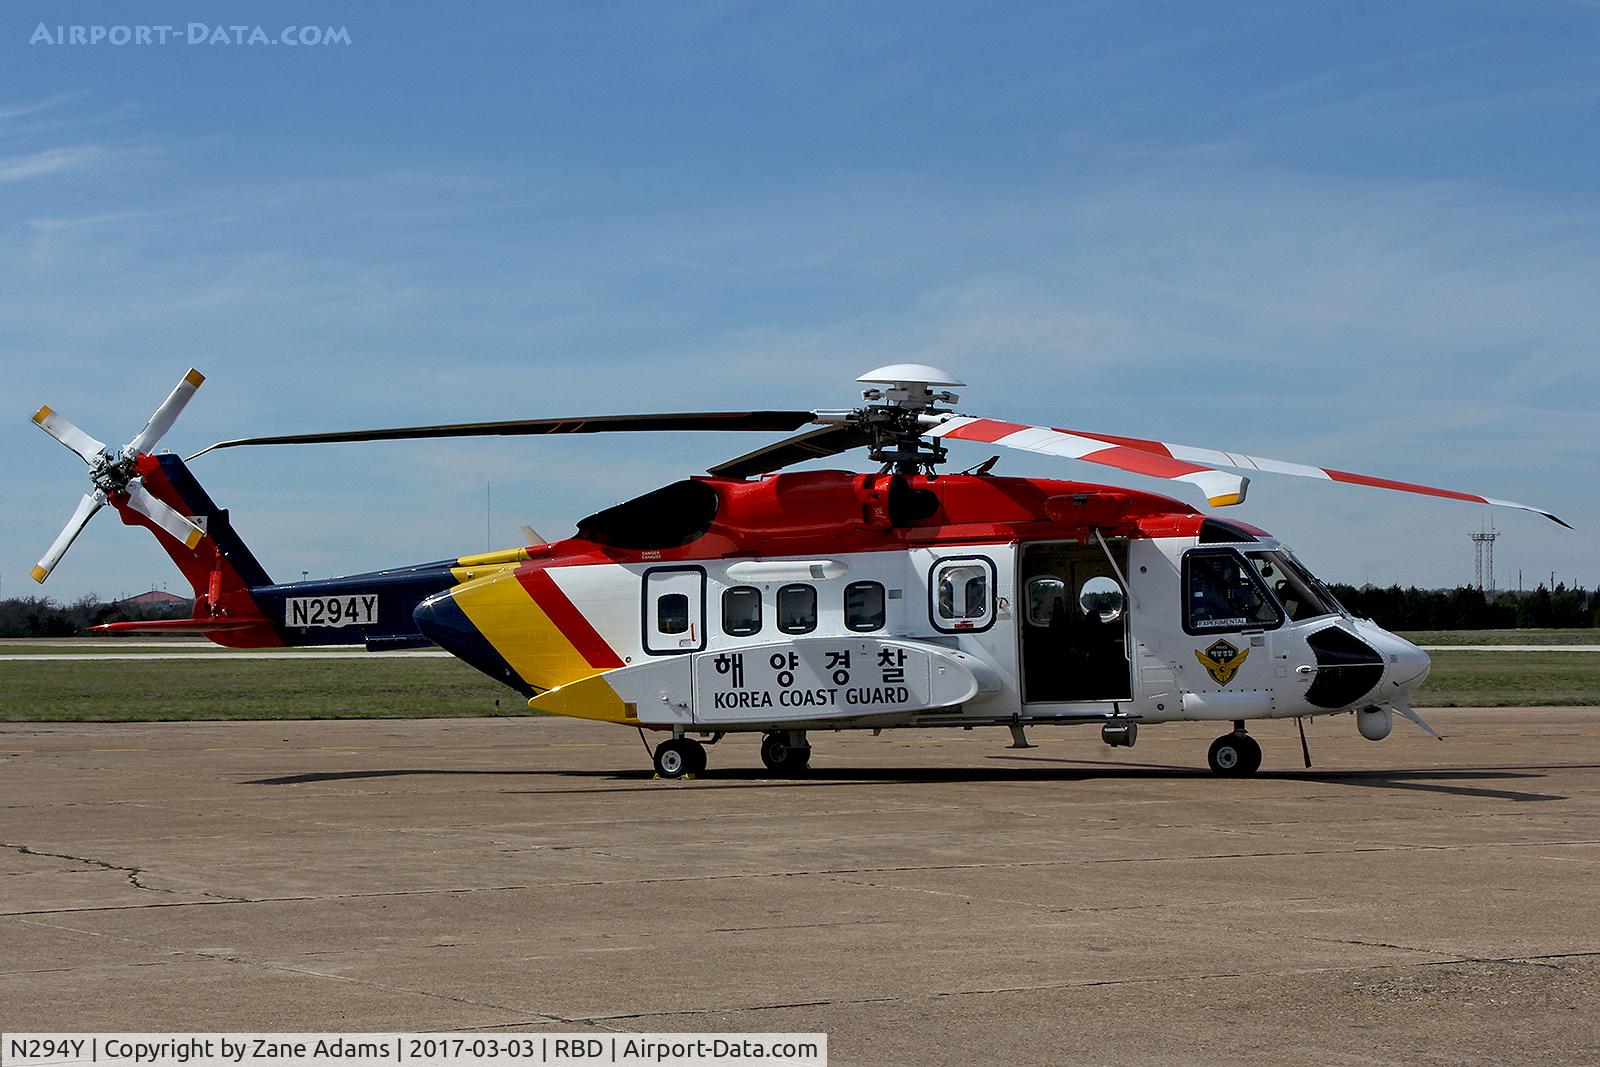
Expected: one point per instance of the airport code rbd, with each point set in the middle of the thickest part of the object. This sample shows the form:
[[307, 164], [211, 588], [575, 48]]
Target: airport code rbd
[[370, 1050]]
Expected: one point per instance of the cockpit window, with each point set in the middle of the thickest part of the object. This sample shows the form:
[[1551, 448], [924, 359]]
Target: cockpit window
[[1223, 592], [1301, 594]]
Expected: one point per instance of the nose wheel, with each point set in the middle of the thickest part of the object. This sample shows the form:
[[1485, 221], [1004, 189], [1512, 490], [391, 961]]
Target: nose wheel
[[1234, 755], [680, 756], [785, 753]]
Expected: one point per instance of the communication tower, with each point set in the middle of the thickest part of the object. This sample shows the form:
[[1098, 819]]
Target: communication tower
[[1483, 546]]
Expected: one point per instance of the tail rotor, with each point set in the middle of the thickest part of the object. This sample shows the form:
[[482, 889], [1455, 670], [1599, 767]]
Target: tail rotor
[[113, 474]]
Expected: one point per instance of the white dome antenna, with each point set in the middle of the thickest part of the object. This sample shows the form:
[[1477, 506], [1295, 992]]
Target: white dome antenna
[[911, 386]]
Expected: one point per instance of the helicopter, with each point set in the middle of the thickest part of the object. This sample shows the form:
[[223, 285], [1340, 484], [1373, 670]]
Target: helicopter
[[755, 599]]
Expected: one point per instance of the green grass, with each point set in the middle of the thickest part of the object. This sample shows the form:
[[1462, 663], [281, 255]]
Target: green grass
[[161, 690], [404, 687], [1469, 679], [1503, 637]]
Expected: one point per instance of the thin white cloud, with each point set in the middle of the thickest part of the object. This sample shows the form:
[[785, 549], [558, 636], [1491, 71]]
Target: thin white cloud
[[17, 111], [50, 161]]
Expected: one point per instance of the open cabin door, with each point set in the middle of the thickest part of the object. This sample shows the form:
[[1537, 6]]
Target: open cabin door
[[1074, 623], [674, 610]]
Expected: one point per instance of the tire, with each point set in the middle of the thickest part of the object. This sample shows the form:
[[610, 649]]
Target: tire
[[699, 754], [783, 758], [1234, 755], [679, 757], [1252, 763]]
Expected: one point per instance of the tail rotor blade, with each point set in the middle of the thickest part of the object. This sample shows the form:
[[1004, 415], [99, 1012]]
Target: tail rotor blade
[[91, 503], [167, 413], [61, 428], [153, 508]]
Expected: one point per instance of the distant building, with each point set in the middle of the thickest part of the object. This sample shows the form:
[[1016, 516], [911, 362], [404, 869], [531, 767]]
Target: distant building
[[155, 598]]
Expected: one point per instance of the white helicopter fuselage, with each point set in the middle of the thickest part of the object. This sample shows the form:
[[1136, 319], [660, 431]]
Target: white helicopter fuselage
[[979, 634]]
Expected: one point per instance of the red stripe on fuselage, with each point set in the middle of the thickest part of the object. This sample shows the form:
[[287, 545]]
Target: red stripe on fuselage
[[568, 619]]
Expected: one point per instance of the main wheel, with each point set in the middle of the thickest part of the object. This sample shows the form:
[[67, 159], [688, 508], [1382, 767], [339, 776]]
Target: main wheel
[[783, 758], [1253, 751], [679, 756], [1234, 755]]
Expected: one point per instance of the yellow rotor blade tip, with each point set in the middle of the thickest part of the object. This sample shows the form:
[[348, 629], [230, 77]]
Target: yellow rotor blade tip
[[194, 377], [42, 414], [40, 574]]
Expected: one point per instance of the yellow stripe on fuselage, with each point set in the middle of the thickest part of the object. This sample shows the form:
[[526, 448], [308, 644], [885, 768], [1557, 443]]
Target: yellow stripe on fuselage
[[587, 698], [489, 559], [511, 621]]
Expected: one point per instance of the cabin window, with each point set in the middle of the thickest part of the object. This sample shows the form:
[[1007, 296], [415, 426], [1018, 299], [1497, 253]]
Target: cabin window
[[962, 591], [1223, 592], [741, 611], [797, 609], [1047, 601], [864, 606], [672, 614]]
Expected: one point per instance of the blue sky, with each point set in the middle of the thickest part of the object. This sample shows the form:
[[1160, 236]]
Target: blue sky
[[1363, 236]]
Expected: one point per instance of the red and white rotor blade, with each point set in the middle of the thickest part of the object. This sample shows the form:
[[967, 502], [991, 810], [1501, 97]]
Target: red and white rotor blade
[[977, 429], [156, 510], [167, 413], [61, 428], [1220, 487], [91, 503]]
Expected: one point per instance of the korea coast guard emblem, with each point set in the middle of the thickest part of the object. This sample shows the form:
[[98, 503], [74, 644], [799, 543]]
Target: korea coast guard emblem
[[1221, 661]]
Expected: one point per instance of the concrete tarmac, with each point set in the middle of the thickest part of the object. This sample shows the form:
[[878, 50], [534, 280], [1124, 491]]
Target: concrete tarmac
[[925, 897]]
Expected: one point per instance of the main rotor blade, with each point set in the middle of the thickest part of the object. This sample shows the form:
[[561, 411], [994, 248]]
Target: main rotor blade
[[701, 420], [91, 503], [981, 430], [1221, 489], [61, 428], [157, 511], [167, 413], [813, 444]]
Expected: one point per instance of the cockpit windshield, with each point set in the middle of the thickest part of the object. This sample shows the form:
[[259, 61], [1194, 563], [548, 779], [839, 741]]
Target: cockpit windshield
[[1302, 594]]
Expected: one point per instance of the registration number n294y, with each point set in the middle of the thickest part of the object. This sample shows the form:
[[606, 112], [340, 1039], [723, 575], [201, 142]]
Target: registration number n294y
[[357, 610]]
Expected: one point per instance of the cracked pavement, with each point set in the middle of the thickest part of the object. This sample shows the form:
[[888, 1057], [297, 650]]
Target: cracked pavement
[[926, 896]]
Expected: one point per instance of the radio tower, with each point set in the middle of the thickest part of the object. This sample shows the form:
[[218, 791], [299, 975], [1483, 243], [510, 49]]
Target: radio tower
[[1483, 545]]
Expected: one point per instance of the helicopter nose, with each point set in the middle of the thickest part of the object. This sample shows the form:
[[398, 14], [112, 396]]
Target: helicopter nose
[[1406, 666]]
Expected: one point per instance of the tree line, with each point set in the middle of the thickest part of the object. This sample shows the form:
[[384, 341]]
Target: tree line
[[1469, 608], [37, 616], [1393, 608]]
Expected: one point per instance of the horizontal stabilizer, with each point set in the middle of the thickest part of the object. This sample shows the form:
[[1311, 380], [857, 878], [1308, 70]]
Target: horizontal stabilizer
[[178, 626]]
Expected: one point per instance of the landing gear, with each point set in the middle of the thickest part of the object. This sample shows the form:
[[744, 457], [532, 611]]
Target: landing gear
[[786, 752], [680, 756], [1235, 755]]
